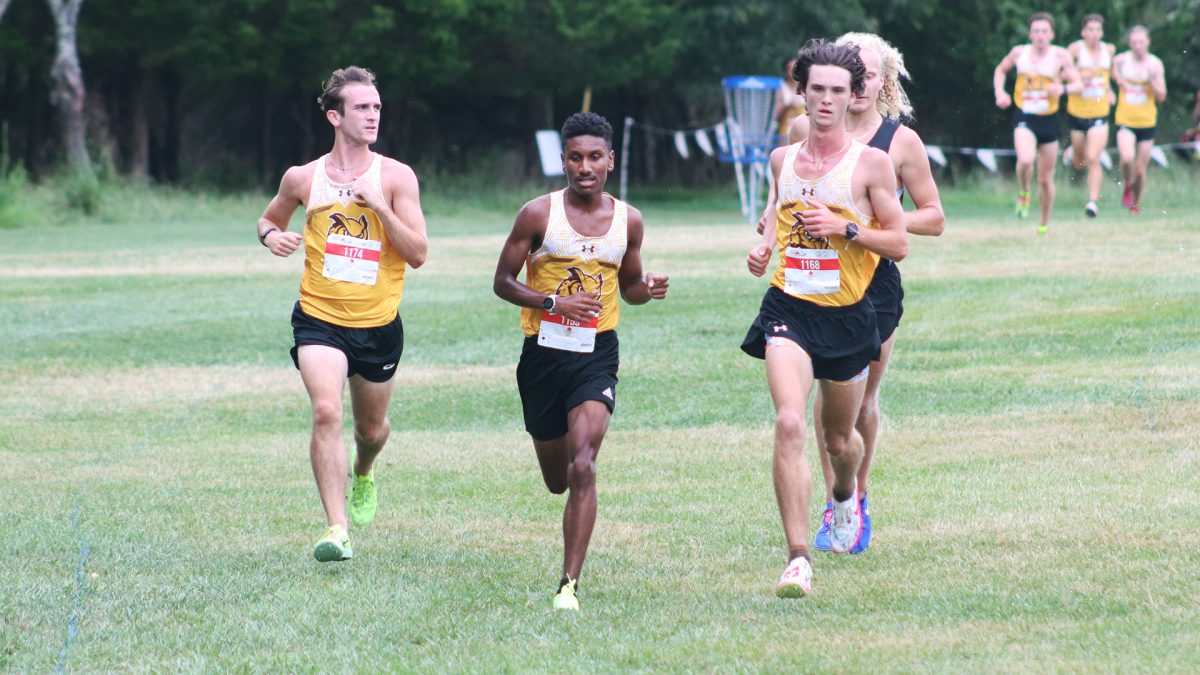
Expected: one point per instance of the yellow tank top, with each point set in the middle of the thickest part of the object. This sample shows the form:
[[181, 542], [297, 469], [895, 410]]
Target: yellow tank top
[[568, 262], [793, 107], [352, 275], [1136, 106], [1092, 102], [830, 272], [1032, 95]]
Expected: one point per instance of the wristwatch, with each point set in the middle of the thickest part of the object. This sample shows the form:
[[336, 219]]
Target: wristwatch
[[851, 231], [262, 238], [549, 303]]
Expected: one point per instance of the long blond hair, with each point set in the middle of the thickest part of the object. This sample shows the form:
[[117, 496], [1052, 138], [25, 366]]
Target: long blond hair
[[893, 101]]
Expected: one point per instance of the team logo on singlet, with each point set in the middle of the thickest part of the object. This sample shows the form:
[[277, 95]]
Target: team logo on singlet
[[798, 238], [579, 281], [350, 227]]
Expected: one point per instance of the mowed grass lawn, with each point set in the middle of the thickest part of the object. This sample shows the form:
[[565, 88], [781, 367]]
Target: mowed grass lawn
[[1034, 497]]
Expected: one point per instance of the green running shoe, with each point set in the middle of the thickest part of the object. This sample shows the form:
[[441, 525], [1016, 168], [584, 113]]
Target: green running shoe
[[363, 499], [1022, 205], [334, 546], [566, 598]]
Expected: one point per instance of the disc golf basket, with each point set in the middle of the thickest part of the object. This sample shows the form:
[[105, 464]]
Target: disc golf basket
[[750, 135]]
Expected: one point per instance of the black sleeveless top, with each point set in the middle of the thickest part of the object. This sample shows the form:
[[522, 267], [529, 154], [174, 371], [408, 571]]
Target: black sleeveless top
[[883, 140]]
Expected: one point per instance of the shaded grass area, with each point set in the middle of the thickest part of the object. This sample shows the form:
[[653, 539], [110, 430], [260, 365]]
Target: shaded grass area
[[1033, 497]]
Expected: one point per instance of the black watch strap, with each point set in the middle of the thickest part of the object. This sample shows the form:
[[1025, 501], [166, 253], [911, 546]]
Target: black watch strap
[[262, 238]]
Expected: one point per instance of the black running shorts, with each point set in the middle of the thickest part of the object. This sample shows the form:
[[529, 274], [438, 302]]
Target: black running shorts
[[552, 382], [1044, 127], [372, 353], [887, 295], [1141, 134], [840, 341], [1085, 123]]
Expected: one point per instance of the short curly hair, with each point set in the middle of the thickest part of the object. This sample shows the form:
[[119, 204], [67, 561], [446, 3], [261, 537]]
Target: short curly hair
[[821, 52], [893, 100], [587, 124], [331, 96]]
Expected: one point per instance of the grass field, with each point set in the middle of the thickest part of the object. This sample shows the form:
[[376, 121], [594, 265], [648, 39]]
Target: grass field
[[1034, 498]]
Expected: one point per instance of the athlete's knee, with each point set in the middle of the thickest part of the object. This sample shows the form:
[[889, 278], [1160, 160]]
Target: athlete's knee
[[790, 423], [869, 409], [1024, 165], [581, 472], [837, 442], [327, 413], [372, 434]]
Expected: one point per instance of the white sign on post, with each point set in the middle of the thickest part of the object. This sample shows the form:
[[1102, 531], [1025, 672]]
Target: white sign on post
[[549, 145]]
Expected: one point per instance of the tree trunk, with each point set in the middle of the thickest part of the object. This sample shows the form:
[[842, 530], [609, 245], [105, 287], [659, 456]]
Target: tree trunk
[[139, 127], [69, 92], [3, 6]]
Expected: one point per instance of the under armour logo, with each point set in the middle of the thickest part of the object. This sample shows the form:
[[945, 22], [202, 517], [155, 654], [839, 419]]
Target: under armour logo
[[779, 327], [808, 192], [588, 248]]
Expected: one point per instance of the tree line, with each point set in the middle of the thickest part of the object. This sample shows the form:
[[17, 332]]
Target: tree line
[[222, 92]]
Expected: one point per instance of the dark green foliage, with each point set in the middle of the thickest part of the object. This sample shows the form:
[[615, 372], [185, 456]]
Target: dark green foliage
[[222, 91]]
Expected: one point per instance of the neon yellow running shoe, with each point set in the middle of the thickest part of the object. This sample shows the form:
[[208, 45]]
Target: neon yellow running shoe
[[363, 499], [335, 545], [1043, 229], [566, 598], [1022, 205]]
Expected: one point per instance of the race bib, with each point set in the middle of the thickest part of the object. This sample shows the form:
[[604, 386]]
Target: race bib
[[1035, 102], [1093, 87], [352, 259], [559, 332], [809, 271], [1135, 97]]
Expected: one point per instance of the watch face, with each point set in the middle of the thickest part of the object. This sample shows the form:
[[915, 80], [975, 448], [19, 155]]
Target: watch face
[[548, 303]]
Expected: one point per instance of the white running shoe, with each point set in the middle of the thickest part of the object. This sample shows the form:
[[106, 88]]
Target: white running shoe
[[1091, 209], [796, 581], [846, 529]]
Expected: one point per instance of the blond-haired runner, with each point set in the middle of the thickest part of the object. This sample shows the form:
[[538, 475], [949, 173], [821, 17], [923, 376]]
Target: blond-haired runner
[[363, 225], [1041, 67], [836, 215], [874, 119], [1087, 111], [580, 247], [1142, 83]]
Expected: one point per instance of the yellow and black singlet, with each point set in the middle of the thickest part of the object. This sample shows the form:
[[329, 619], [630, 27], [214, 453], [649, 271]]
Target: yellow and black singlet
[[1094, 71], [1032, 93], [568, 262], [830, 272], [352, 275], [1136, 106]]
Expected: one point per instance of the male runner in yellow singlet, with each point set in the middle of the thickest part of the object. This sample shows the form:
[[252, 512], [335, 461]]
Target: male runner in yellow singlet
[[836, 215], [1142, 83], [580, 247], [1087, 111], [874, 118], [1041, 68], [363, 225]]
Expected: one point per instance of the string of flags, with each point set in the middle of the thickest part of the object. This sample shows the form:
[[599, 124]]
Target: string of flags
[[702, 138]]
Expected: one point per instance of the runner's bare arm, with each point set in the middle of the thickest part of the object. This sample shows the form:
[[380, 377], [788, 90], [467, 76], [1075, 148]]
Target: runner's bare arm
[[274, 221], [1158, 80], [916, 176], [526, 237], [760, 255], [638, 288], [890, 241], [1071, 75], [1003, 100], [401, 215]]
